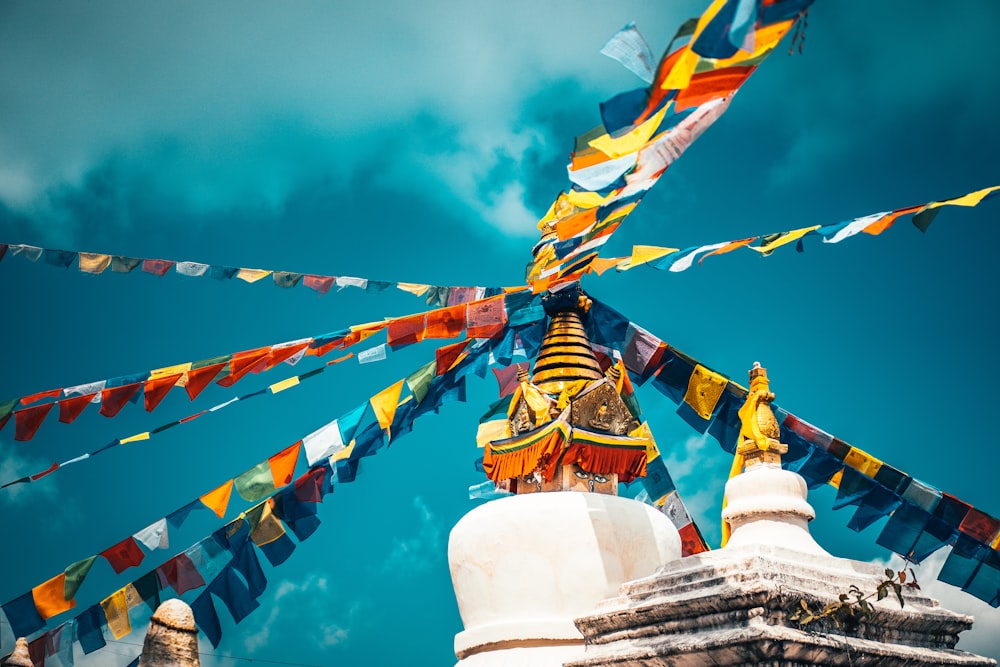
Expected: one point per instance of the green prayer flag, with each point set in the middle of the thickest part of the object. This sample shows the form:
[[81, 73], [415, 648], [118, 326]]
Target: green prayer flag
[[257, 483], [923, 219], [6, 407], [210, 362], [75, 575], [419, 382], [437, 297]]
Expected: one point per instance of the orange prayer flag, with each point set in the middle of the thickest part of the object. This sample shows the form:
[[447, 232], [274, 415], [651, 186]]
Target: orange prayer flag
[[114, 399], [602, 264], [283, 464], [384, 404], [729, 247], [27, 420], [49, 598], [199, 378], [359, 334], [886, 221], [218, 499], [711, 85], [445, 322], [571, 226], [406, 330], [280, 354], [241, 364], [51, 393], [156, 389]]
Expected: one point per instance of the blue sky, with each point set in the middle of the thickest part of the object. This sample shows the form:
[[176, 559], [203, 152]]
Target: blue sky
[[421, 144]]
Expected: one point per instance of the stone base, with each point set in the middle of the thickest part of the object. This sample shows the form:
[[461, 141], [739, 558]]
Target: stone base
[[731, 607]]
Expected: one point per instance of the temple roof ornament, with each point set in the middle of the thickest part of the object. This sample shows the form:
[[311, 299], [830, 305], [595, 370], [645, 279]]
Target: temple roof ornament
[[569, 427]]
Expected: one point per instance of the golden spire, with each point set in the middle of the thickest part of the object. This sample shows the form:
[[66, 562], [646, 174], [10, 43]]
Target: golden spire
[[565, 355], [759, 430]]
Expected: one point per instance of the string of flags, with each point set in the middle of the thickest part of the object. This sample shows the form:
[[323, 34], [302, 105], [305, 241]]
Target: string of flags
[[272, 389], [96, 263], [643, 131], [676, 260], [225, 563], [479, 318], [921, 518]]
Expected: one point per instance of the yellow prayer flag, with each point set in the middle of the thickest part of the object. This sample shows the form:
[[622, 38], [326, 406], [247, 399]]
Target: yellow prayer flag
[[218, 499], [92, 262], [971, 199], [582, 199], [413, 288], [835, 480], [793, 235], [384, 404], [344, 453], [287, 383], [680, 74], [496, 429], [116, 612], [647, 253], [170, 370], [863, 462], [134, 438], [704, 389], [643, 431], [264, 527], [252, 275], [631, 141]]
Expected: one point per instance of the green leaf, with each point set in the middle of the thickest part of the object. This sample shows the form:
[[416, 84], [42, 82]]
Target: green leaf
[[889, 573]]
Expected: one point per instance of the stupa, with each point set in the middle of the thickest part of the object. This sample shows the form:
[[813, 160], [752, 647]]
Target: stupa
[[738, 605], [526, 565]]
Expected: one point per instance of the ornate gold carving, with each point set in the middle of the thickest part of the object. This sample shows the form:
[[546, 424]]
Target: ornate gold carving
[[601, 409], [759, 430], [522, 420]]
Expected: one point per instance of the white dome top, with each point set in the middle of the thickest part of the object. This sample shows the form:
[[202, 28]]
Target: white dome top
[[525, 566]]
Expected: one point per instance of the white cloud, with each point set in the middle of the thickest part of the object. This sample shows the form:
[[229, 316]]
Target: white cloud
[[420, 552]]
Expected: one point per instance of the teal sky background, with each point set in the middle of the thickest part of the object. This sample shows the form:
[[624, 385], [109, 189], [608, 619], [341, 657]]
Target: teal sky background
[[420, 143]]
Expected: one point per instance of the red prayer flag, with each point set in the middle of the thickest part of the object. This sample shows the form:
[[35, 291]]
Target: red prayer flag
[[309, 487], [507, 377], [448, 355], [180, 574], [114, 399], [711, 85], [36, 651], [27, 420], [156, 389], [321, 284], [52, 468], [445, 322], [51, 393], [199, 378], [157, 267], [406, 330], [241, 364], [486, 318], [691, 540], [980, 526], [70, 408], [124, 555]]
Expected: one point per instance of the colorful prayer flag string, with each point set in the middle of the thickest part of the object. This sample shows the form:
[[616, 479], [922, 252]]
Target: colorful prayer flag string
[[96, 263], [676, 260], [644, 131], [922, 519]]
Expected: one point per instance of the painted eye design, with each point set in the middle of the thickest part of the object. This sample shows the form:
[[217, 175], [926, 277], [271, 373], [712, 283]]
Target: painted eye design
[[582, 474], [601, 479]]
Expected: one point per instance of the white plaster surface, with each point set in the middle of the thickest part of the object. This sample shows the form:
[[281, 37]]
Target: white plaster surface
[[525, 566]]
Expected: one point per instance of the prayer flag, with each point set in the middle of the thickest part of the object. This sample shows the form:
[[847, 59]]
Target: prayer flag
[[206, 618], [704, 389], [199, 378], [629, 47], [180, 574], [23, 615], [124, 555], [286, 279], [283, 463], [854, 227], [154, 536], [486, 318], [122, 264], [89, 632], [370, 355], [115, 609], [384, 404], [445, 322], [413, 288], [350, 281], [27, 420], [256, 483], [193, 269], [60, 258], [419, 381], [156, 389], [321, 284], [158, 267], [252, 275], [113, 399], [49, 597], [91, 262], [217, 500], [75, 574], [406, 330], [241, 364], [641, 254], [323, 442]]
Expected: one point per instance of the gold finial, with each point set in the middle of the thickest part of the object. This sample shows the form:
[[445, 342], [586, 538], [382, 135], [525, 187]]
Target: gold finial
[[759, 430]]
